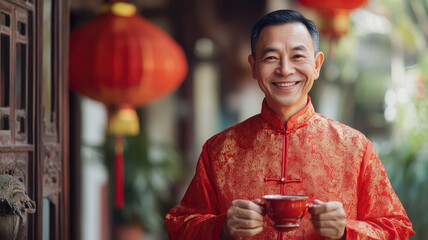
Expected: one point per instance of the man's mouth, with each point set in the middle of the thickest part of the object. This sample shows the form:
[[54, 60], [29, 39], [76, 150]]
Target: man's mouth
[[284, 84]]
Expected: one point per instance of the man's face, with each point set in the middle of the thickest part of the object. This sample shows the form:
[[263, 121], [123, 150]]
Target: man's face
[[285, 65]]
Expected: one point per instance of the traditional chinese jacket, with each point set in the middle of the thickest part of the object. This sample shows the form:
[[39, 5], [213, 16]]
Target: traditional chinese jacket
[[310, 155]]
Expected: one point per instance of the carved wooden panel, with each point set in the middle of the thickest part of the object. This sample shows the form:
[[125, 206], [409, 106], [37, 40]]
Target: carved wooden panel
[[33, 143], [5, 132], [52, 167], [15, 164], [21, 75], [52, 96], [6, 29]]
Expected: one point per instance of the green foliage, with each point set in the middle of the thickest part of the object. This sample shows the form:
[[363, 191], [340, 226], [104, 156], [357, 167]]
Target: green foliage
[[367, 62], [407, 163], [151, 171]]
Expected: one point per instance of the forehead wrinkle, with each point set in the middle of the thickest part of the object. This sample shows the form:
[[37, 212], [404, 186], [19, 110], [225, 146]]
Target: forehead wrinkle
[[300, 48], [269, 49], [279, 42]]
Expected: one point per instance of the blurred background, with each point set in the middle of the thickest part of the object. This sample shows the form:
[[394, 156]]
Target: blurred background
[[373, 79]]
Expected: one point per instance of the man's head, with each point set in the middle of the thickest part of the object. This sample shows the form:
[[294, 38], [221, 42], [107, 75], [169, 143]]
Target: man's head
[[285, 60], [282, 17]]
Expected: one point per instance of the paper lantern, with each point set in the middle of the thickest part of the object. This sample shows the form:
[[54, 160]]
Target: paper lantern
[[124, 61], [334, 14], [121, 58]]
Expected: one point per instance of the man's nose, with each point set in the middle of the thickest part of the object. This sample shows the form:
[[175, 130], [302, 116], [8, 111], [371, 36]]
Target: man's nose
[[285, 67]]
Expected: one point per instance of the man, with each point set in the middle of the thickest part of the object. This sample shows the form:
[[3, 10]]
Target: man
[[288, 149]]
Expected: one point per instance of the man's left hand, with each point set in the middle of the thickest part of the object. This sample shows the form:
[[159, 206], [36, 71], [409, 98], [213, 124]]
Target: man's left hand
[[328, 219]]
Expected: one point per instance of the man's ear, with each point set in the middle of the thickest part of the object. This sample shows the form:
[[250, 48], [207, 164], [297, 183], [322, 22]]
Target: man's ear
[[252, 62], [319, 59]]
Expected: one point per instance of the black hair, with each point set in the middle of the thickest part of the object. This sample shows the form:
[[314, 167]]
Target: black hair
[[282, 17]]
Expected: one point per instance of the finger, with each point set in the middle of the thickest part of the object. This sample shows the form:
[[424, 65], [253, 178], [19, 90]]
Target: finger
[[246, 204], [325, 207], [240, 223], [248, 214], [333, 228], [259, 202], [237, 233], [337, 214], [336, 223], [333, 206], [317, 208]]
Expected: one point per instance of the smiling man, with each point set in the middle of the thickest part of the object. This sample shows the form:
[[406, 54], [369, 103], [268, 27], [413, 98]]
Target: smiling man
[[285, 62], [288, 149]]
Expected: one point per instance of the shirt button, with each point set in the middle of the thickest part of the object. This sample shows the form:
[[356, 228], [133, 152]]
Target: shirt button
[[282, 179]]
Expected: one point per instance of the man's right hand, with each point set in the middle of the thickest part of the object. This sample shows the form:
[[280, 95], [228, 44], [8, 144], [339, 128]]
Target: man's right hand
[[244, 218]]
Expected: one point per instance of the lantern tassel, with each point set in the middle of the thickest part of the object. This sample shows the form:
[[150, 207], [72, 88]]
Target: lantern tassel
[[123, 122], [119, 173]]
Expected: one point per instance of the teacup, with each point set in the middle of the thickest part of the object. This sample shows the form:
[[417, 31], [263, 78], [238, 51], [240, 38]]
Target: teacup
[[286, 210]]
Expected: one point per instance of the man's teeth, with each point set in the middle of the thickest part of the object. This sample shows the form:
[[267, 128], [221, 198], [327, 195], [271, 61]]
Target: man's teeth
[[285, 84]]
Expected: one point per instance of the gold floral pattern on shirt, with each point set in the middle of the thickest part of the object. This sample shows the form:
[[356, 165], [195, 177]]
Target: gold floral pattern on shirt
[[313, 155]]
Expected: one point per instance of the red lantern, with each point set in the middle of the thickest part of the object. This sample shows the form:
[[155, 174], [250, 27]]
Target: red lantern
[[334, 13], [123, 60]]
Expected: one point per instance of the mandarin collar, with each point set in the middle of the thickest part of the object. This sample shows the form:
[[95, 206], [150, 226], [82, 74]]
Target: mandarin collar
[[297, 120]]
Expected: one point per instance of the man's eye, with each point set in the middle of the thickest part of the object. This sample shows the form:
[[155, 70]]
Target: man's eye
[[298, 56], [270, 58]]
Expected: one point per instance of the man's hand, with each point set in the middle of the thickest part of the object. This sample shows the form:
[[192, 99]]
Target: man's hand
[[328, 219], [244, 218]]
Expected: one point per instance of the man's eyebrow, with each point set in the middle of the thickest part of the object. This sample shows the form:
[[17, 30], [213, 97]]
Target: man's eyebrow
[[300, 48], [268, 49]]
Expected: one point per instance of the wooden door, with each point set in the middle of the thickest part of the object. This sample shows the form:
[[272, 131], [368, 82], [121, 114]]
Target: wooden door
[[34, 109]]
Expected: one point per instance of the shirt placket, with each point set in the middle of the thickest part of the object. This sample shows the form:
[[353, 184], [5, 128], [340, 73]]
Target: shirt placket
[[283, 180]]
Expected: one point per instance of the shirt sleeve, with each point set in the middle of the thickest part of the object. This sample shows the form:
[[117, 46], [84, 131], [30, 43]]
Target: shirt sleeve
[[380, 213], [197, 215]]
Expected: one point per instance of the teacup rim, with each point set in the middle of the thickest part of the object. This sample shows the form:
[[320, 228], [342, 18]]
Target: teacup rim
[[282, 197]]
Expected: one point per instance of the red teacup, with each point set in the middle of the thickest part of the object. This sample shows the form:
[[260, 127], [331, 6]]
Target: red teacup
[[285, 210]]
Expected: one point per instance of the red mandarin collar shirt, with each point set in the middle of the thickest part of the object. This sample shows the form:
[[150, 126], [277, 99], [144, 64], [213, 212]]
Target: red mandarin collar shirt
[[311, 155]]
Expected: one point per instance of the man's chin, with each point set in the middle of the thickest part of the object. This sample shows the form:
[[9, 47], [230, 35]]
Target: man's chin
[[288, 102]]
